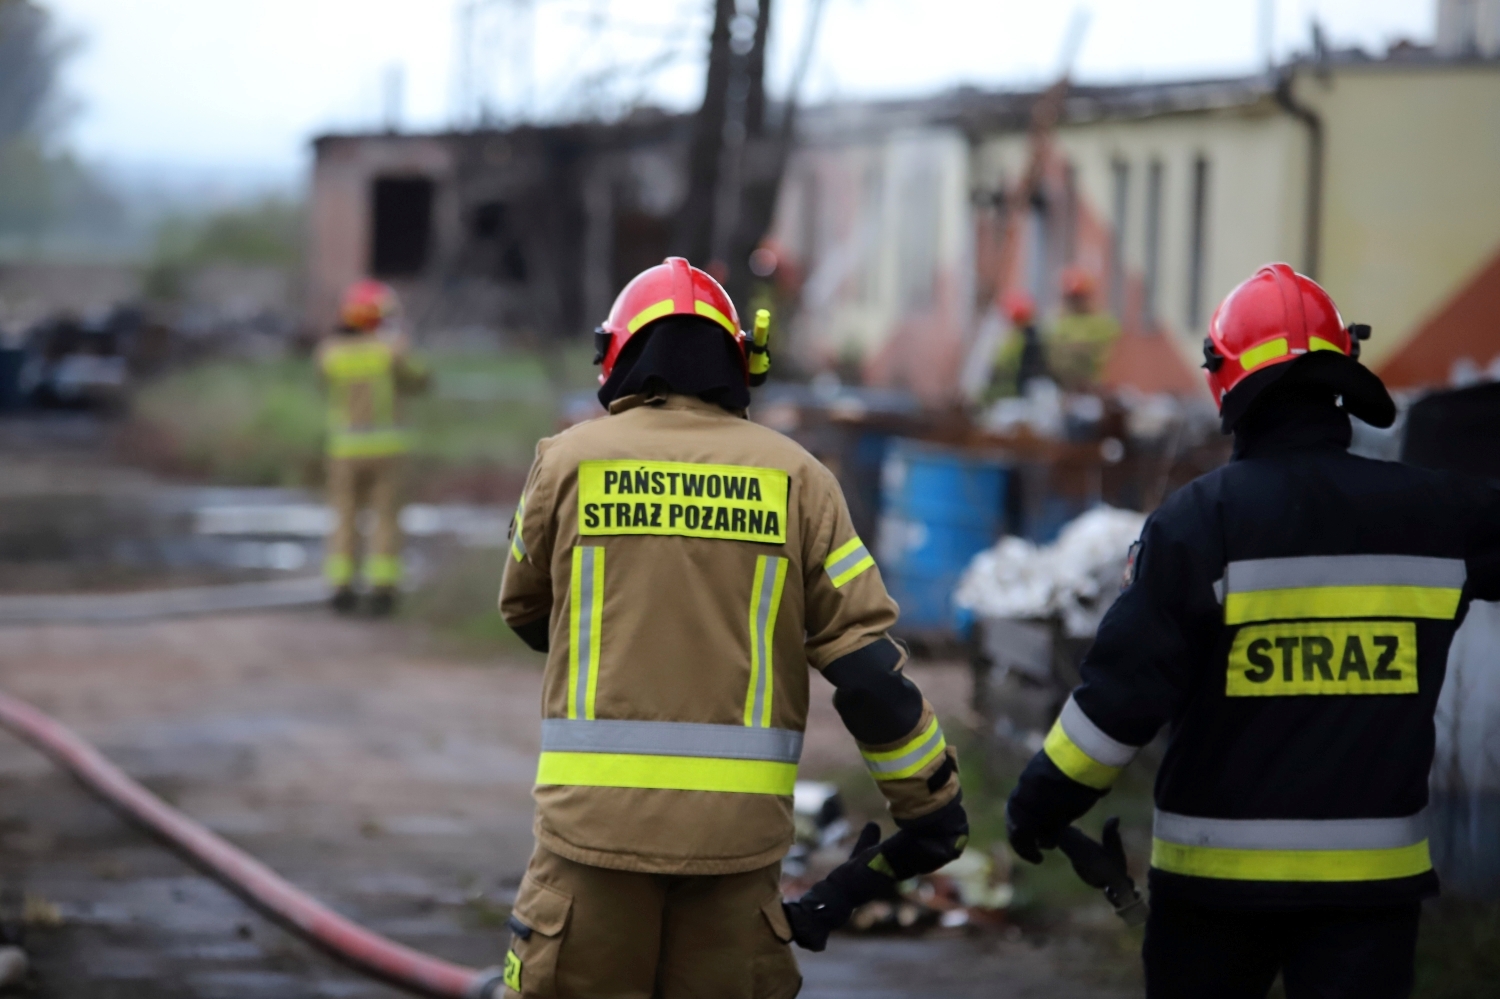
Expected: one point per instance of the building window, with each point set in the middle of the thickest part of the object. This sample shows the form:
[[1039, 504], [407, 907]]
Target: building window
[[1120, 177], [1197, 243], [1153, 245], [401, 230]]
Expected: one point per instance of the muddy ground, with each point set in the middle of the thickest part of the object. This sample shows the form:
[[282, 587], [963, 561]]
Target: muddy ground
[[389, 779]]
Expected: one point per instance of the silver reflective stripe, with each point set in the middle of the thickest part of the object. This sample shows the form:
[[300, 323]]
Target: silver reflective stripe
[[1219, 589], [905, 760], [770, 568], [1292, 834], [729, 742], [1344, 570], [1091, 738], [583, 644], [848, 562]]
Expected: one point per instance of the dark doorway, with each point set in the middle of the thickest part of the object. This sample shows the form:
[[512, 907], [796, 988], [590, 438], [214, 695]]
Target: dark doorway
[[402, 232], [491, 226]]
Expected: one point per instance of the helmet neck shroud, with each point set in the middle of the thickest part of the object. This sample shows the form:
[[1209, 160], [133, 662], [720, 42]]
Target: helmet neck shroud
[[685, 355]]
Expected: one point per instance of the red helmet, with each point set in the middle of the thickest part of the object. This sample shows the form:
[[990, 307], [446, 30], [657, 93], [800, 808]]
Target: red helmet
[[367, 304], [671, 288], [1278, 317], [1019, 307], [1076, 281]]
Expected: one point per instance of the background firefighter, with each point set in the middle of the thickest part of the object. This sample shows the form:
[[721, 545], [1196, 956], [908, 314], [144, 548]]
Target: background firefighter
[[367, 369], [1288, 616], [683, 567]]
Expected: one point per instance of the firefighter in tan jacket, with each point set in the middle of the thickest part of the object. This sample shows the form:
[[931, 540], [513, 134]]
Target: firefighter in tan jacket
[[682, 567]]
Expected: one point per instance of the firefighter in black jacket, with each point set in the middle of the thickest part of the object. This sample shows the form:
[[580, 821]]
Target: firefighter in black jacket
[[1288, 617]]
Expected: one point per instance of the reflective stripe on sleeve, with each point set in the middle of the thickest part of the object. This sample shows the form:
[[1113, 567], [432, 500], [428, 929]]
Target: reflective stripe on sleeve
[[1083, 750], [368, 443], [518, 543], [585, 617], [679, 756], [848, 561], [1291, 849], [1334, 586], [765, 602], [907, 759]]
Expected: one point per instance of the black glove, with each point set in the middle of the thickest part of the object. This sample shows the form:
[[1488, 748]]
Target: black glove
[[1102, 865], [925, 844], [1043, 804], [829, 903]]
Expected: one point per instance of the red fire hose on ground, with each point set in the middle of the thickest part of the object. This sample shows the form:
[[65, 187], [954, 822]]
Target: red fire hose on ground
[[242, 874]]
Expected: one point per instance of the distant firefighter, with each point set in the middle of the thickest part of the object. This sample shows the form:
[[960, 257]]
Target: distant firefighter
[[1023, 356], [367, 369], [1081, 338]]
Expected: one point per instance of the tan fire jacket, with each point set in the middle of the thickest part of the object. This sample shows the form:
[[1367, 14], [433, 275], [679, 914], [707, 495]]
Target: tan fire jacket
[[692, 565]]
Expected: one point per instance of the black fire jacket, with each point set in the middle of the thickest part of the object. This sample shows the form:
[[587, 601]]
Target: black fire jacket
[[1288, 617]]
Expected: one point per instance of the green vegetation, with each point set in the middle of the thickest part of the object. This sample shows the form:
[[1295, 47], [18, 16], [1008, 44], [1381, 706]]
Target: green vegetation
[[457, 607], [261, 422], [267, 232]]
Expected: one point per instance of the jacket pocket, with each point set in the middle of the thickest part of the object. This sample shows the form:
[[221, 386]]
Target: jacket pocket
[[537, 924], [774, 968]]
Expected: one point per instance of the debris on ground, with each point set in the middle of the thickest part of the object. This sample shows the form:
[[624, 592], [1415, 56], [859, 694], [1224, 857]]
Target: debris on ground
[[1075, 578]]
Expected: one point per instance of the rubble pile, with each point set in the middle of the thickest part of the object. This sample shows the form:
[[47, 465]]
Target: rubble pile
[[1074, 579]]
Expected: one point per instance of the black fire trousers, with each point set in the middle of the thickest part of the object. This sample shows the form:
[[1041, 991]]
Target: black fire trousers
[[1201, 953]]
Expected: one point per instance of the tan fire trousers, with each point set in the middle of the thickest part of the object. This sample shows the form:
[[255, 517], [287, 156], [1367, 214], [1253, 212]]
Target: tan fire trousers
[[594, 933], [353, 484]]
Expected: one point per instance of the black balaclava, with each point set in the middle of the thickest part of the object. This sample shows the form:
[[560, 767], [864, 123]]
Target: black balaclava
[[1292, 413], [686, 355]]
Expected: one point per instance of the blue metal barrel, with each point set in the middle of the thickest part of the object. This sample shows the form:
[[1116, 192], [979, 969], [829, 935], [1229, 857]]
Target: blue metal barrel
[[940, 506]]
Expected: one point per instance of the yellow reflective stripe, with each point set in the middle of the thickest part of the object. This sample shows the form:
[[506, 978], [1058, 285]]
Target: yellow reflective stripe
[[1077, 764], [909, 758], [650, 312], [368, 444], [1290, 865], [512, 972], [517, 543], [765, 603], [847, 561], [673, 773], [383, 570], [1341, 601], [338, 569], [357, 361], [704, 309], [1318, 343], [1268, 351], [585, 619]]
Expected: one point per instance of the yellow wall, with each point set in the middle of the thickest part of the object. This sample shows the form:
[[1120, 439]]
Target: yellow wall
[[1412, 189]]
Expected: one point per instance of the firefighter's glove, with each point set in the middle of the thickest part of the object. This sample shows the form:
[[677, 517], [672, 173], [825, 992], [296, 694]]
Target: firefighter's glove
[[1102, 865], [925, 844], [1043, 804], [828, 904]]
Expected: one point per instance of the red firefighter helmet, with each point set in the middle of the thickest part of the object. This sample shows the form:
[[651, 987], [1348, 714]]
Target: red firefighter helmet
[[367, 304], [1076, 282], [1275, 321], [1019, 307], [671, 288]]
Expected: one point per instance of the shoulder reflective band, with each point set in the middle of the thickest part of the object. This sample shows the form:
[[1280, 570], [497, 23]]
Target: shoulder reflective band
[[1330, 586], [907, 759], [847, 561], [1292, 658], [1083, 751], [1291, 849], [585, 618], [765, 601], [518, 543], [677, 756], [687, 499]]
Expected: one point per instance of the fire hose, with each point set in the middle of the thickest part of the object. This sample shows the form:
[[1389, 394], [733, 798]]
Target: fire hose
[[262, 888]]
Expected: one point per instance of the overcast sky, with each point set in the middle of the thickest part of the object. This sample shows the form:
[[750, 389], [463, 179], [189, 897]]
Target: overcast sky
[[241, 87]]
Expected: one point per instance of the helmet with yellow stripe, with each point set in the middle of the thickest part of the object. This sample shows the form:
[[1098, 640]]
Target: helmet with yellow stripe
[[671, 288], [1278, 322]]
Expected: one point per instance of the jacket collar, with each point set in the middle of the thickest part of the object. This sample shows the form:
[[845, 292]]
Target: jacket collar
[[1292, 425], [672, 401]]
